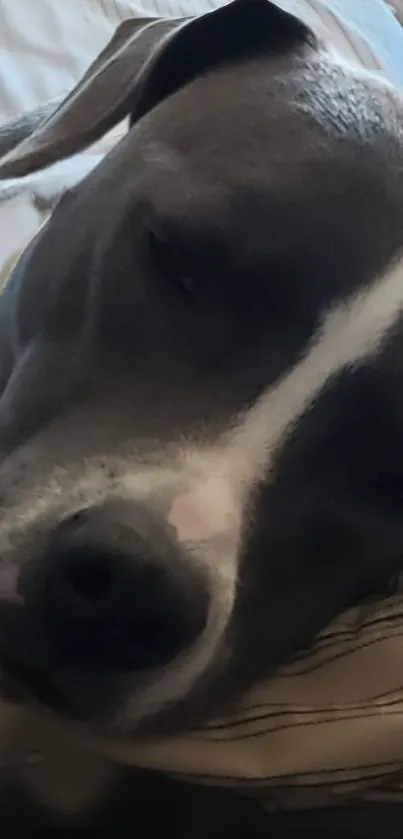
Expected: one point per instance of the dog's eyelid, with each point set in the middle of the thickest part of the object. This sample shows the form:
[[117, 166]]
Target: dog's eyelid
[[171, 259]]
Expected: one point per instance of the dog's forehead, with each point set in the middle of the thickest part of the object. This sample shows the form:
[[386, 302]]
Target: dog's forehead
[[313, 91], [285, 132], [285, 127]]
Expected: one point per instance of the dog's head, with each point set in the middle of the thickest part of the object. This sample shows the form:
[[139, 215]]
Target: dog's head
[[201, 424]]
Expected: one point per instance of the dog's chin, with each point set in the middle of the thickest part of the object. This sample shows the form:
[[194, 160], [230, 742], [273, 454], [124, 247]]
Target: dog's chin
[[82, 704], [76, 698], [32, 687]]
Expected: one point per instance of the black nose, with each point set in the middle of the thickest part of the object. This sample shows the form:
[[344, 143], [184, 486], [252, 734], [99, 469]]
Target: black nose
[[113, 591]]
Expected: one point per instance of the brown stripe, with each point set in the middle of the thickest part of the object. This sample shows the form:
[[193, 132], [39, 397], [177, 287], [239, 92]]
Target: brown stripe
[[333, 719], [365, 705], [342, 654], [317, 779]]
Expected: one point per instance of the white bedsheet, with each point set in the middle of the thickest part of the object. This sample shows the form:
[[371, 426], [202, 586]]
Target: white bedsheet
[[45, 45]]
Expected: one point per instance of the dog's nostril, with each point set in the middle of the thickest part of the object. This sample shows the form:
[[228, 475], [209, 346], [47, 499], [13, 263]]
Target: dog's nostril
[[154, 640], [113, 600], [115, 594], [118, 612], [88, 575]]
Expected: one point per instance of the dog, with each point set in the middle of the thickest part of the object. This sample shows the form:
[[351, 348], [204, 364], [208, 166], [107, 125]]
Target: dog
[[200, 421]]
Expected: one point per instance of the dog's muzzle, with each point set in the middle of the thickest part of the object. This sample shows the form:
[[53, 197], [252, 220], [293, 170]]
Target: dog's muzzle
[[112, 594]]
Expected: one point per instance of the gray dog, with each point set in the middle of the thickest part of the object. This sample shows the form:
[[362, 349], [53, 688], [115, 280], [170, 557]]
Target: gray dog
[[201, 362]]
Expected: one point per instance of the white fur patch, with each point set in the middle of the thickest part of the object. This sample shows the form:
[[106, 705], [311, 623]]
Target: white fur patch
[[349, 333], [226, 473]]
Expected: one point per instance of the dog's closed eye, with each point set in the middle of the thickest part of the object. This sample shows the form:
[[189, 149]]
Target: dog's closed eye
[[171, 262]]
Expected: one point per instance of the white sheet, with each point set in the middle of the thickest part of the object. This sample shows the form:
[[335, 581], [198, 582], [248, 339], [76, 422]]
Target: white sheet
[[45, 45]]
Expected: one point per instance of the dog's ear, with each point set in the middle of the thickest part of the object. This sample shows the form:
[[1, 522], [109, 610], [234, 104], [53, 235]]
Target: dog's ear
[[144, 63]]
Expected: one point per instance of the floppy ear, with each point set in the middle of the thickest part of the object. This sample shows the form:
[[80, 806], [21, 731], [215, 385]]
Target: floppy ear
[[144, 63]]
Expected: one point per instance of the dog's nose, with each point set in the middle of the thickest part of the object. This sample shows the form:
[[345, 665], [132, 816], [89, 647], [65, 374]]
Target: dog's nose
[[114, 593]]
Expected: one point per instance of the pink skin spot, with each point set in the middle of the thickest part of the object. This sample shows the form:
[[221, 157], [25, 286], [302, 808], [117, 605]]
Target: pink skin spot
[[203, 513], [187, 519]]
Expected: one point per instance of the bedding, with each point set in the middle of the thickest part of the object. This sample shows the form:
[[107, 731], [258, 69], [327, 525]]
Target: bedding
[[46, 45]]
